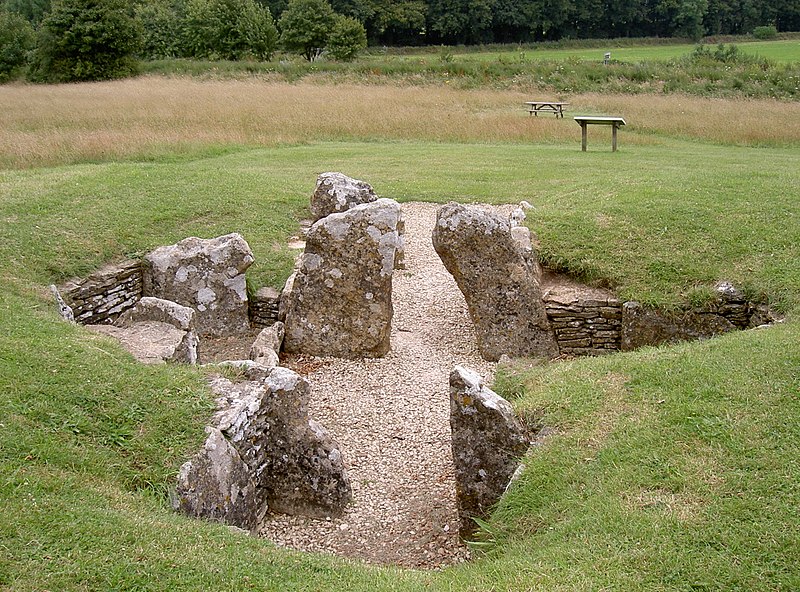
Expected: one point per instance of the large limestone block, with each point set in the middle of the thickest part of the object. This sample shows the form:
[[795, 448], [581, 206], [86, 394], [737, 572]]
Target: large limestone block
[[488, 442], [340, 302], [499, 280], [216, 485], [206, 275], [336, 193], [642, 326], [267, 346], [296, 465]]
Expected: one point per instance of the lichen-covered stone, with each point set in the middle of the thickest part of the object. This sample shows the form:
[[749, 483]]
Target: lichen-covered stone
[[340, 300], [296, 466], [499, 281], [216, 485], [336, 193], [488, 443], [206, 275], [157, 309]]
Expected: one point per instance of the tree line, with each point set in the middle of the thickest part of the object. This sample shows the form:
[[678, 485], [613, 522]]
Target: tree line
[[97, 39]]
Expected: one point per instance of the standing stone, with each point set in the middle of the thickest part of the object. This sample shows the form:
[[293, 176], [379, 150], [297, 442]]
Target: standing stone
[[266, 347], [340, 302], [206, 275], [296, 466], [216, 485], [488, 443], [337, 193], [499, 281]]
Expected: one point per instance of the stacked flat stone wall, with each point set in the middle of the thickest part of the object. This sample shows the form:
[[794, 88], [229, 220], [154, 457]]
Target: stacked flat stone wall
[[585, 326], [104, 295], [264, 307]]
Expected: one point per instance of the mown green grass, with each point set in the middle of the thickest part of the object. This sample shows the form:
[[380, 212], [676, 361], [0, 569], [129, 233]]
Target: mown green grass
[[672, 469], [782, 51]]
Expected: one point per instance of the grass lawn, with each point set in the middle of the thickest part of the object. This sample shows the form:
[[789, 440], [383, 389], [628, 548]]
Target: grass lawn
[[672, 468], [782, 51]]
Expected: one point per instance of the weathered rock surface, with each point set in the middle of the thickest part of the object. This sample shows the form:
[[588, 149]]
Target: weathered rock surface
[[340, 300], [336, 193], [157, 309], [296, 466], [216, 485], [499, 282], [488, 443], [153, 342], [267, 346], [206, 275], [642, 326]]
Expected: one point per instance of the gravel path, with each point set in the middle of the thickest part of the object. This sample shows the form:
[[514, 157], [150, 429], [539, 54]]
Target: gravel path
[[390, 417]]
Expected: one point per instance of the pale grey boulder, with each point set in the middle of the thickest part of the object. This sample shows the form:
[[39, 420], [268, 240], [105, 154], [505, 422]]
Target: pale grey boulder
[[500, 280], [336, 193], [488, 442], [206, 275], [216, 485], [267, 346], [340, 300]]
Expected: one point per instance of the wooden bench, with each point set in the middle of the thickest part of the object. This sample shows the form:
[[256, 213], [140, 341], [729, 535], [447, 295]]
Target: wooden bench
[[536, 107], [584, 121]]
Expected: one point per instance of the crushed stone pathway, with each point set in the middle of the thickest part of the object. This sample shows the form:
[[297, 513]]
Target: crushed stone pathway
[[390, 417]]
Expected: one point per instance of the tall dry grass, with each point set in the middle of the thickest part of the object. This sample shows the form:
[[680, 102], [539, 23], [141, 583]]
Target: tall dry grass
[[44, 125]]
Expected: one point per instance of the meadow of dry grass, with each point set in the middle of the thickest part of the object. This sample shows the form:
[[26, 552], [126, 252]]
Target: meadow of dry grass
[[143, 117]]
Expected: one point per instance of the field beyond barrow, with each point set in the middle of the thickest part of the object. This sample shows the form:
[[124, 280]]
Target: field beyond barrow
[[673, 468]]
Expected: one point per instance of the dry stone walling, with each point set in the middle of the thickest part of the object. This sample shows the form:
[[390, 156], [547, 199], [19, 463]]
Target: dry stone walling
[[499, 280]]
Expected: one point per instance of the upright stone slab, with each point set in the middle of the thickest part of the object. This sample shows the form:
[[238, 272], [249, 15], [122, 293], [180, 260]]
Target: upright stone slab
[[499, 281], [488, 442], [295, 464], [216, 485], [340, 302], [336, 193], [206, 275]]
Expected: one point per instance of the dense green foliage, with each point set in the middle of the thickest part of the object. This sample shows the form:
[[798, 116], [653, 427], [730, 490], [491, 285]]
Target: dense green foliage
[[16, 39], [305, 27], [347, 38], [163, 28], [81, 40], [230, 30]]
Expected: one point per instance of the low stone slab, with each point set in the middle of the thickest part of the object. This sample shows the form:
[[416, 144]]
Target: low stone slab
[[488, 443], [153, 342], [499, 280]]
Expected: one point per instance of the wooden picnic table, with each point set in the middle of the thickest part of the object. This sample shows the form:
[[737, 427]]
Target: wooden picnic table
[[536, 107], [586, 120]]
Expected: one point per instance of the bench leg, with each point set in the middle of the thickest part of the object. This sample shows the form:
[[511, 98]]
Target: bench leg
[[614, 137], [583, 136]]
